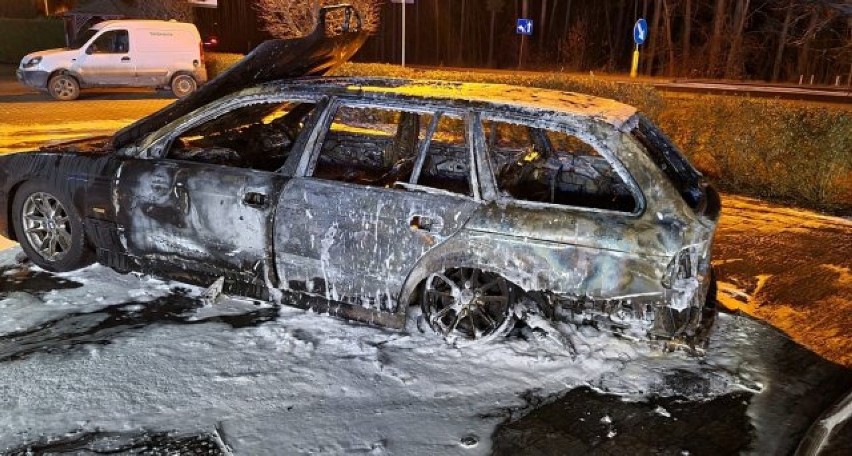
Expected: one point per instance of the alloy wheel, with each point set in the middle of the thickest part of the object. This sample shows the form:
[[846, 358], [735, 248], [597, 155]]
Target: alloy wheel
[[467, 302], [47, 226], [64, 88]]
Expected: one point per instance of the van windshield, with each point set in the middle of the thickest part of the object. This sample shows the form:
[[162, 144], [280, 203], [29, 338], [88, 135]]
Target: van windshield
[[82, 39]]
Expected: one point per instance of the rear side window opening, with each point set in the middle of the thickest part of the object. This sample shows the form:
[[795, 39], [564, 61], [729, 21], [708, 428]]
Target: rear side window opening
[[669, 159], [553, 167]]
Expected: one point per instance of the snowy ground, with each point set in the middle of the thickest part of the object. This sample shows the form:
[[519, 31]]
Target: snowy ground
[[94, 353]]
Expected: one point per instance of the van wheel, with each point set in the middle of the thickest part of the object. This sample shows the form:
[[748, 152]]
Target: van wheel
[[49, 228], [468, 303], [183, 85], [63, 87]]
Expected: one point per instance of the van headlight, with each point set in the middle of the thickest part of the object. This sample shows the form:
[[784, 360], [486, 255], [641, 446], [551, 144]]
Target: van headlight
[[33, 62]]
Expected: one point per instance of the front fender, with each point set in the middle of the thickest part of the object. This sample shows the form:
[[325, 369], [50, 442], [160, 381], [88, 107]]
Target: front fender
[[84, 177]]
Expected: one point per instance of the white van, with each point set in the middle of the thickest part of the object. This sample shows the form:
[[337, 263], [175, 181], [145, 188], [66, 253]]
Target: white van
[[125, 53]]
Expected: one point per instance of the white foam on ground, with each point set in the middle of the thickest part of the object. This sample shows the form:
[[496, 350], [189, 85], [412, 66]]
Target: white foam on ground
[[303, 383]]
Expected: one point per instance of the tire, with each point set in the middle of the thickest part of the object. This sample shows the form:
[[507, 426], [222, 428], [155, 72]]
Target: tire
[[63, 87], [49, 228], [468, 304], [183, 85]]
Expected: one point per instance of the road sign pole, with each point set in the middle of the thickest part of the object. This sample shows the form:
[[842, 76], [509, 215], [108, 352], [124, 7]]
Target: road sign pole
[[634, 69], [640, 34], [403, 33]]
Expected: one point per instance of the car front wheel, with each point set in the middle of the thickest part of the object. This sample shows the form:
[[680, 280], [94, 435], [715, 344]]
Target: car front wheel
[[468, 303], [49, 228], [63, 87]]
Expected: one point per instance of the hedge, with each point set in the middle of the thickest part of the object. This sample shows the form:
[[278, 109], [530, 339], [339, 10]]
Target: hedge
[[776, 150], [19, 37], [218, 62]]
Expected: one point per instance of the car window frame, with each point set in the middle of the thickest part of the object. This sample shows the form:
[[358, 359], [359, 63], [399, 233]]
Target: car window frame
[[490, 179], [157, 144], [307, 166], [100, 34]]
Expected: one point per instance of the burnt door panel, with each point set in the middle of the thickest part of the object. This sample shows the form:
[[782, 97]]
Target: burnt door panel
[[357, 244], [211, 217]]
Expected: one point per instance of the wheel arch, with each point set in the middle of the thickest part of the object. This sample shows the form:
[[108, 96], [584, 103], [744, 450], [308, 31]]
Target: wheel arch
[[67, 72], [445, 260], [70, 201], [182, 73], [10, 209]]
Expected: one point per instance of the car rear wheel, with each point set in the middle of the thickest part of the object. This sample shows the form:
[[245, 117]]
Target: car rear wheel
[[183, 85], [49, 228], [63, 87], [468, 303]]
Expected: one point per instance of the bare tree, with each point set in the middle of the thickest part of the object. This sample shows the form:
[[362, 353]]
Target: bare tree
[[733, 67], [716, 40], [686, 37], [295, 18], [782, 39], [179, 10], [849, 45], [493, 7]]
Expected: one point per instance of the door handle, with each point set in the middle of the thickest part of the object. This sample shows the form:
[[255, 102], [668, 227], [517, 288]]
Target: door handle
[[420, 222], [125, 59], [255, 199]]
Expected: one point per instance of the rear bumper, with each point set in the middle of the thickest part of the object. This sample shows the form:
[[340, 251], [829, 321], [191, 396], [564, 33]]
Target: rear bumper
[[678, 315], [36, 79]]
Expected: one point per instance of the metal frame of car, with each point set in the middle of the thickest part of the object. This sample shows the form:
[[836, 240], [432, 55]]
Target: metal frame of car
[[482, 179], [602, 135]]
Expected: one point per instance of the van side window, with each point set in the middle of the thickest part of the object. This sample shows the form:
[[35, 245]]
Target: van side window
[[112, 42], [257, 136], [371, 146], [547, 166]]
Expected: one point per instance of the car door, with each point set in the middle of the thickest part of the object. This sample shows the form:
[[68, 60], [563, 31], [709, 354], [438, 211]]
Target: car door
[[107, 61], [359, 217], [204, 203], [575, 206]]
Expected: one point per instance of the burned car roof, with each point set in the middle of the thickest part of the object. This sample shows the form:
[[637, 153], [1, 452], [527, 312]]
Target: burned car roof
[[466, 94]]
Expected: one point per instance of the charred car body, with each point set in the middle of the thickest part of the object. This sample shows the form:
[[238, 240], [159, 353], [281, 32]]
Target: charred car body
[[361, 197]]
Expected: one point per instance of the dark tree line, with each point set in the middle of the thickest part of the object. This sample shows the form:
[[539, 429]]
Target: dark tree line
[[777, 40]]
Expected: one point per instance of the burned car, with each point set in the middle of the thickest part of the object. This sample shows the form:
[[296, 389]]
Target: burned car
[[365, 197]]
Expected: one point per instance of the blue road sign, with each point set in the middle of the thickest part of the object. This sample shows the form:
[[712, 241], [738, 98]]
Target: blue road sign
[[525, 27], [640, 32]]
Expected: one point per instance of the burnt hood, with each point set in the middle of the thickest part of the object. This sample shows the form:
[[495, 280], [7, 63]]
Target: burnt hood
[[337, 37]]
